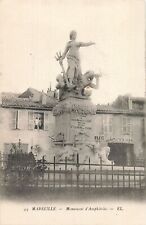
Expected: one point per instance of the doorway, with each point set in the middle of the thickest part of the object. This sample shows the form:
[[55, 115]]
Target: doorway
[[122, 154]]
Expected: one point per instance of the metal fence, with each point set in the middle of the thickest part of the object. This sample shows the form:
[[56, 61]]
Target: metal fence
[[55, 175]]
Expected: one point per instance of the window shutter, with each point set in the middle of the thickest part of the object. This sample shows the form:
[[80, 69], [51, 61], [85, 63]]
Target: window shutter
[[102, 127], [46, 121], [121, 124], [105, 128], [30, 121], [129, 126], [110, 125], [22, 122], [13, 120], [126, 126]]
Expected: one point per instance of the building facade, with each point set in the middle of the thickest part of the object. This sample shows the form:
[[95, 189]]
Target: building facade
[[27, 123], [124, 132]]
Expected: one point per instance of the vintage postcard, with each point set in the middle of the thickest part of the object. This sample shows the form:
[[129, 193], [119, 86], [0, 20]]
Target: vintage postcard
[[72, 112]]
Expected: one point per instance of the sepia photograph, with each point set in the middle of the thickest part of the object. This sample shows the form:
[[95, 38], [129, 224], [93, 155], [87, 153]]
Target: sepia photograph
[[72, 112]]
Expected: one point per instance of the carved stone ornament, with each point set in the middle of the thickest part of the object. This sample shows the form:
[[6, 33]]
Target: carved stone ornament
[[74, 105]]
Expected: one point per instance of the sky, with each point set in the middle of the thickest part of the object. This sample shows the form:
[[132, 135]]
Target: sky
[[32, 31]]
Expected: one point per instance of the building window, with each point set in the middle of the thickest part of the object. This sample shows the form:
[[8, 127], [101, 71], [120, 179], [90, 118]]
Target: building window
[[18, 119], [126, 126], [31, 120], [14, 120], [138, 106], [37, 120], [107, 124]]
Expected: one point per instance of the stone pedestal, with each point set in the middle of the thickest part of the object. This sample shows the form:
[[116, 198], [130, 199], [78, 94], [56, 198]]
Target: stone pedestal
[[74, 125], [74, 119]]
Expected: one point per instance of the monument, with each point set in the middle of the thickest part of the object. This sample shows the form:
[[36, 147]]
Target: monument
[[75, 113]]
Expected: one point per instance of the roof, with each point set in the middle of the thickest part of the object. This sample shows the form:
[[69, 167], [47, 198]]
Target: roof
[[138, 99], [109, 109], [31, 92], [19, 101], [25, 103]]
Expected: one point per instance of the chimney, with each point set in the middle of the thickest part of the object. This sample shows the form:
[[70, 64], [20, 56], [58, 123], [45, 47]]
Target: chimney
[[50, 87], [129, 103], [50, 93], [48, 90], [43, 98]]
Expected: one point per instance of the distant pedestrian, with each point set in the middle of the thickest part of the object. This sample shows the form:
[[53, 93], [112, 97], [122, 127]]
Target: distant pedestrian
[[36, 123], [40, 123]]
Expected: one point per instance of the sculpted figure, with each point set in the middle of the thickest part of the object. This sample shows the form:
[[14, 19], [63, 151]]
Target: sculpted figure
[[71, 52], [104, 153], [72, 80], [101, 151], [87, 81], [95, 148], [60, 81], [60, 84]]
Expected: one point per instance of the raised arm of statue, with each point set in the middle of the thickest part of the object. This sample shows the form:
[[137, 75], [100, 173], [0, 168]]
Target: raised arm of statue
[[71, 53], [82, 44]]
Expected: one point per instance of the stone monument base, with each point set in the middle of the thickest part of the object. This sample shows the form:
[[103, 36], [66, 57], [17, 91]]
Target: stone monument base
[[74, 129], [74, 120], [71, 152]]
